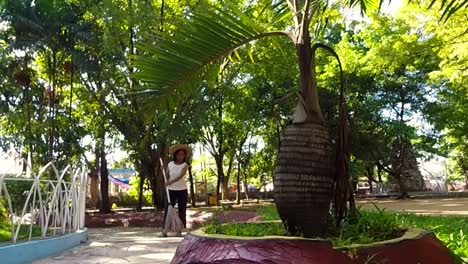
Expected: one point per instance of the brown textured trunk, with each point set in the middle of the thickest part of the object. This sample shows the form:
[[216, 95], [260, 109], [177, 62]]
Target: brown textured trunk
[[246, 185], [224, 190], [227, 176], [94, 188], [238, 192], [105, 204], [159, 189], [193, 197], [305, 166], [402, 184], [303, 182], [220, 179], [370, 177], [140, 192]]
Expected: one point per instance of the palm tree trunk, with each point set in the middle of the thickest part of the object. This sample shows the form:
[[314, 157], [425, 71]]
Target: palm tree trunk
[[304, 170], [304, 174]]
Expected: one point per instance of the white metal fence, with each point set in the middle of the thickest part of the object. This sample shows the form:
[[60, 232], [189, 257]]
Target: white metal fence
[[54, 200]]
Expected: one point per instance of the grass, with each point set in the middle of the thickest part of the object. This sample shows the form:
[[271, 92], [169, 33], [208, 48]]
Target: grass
[[365, 227], [5, 232], [246, 229]]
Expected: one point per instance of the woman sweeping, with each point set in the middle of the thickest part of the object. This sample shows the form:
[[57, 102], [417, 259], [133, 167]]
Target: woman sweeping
[[176, 183]]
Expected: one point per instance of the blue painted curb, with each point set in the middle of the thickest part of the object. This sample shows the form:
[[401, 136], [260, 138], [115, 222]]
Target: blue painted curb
[[37, 249]]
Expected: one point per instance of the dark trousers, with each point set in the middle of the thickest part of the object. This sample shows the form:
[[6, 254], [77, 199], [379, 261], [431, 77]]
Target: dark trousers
[[179, 197]]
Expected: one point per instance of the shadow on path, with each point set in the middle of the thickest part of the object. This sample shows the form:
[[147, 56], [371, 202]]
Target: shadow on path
[[120, 245]]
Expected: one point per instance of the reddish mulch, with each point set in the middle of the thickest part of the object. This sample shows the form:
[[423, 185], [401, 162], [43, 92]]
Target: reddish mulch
[[238, 216], [134, 219], [195, 219]]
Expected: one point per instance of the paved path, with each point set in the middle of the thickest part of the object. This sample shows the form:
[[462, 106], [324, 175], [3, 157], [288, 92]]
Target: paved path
[[120, 245], [144, 245], [444, 206]]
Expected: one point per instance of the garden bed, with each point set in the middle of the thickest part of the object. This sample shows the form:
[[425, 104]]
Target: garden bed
[[195, 219], [357, 232], [415, 246]]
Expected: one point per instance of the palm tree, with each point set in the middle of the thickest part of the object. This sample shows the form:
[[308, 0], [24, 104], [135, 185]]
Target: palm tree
[[305, 175]]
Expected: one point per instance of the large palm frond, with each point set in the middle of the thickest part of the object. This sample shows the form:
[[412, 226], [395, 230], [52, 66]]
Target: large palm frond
[[448, 8], [182, 60]]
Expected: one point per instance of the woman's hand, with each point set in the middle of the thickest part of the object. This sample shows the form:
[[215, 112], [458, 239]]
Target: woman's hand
[[169, 182]]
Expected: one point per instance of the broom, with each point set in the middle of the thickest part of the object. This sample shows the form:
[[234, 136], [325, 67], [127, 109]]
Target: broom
[[173, 222]]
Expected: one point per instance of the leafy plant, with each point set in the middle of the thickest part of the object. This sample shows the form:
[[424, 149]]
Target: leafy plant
[[5, 231], [364, 227], [246, 229], [377, 225]]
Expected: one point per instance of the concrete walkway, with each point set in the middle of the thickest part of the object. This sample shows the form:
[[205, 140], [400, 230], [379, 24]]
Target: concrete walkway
[[145, 245], [120, 245], [444, 206]]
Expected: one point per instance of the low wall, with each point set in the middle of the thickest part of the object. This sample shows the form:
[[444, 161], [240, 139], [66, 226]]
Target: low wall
[[37, 249]]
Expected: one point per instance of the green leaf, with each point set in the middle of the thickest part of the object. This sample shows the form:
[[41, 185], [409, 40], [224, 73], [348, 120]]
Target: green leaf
[[178, 63]]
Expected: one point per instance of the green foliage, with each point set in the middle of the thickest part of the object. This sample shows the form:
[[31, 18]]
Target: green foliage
[[131, 197], [18, 191], [5, 231], [3, 211], [366, 226], [190, 55], [246, 229], [362, 227], [451, 230], [268, 213]]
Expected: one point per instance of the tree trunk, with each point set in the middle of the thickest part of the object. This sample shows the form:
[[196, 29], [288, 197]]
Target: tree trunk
[[140, 192], [370, 178], [220, 179], [160, 188], [403, 187], [246, 185], [192, 190], [238, 192], [466, 179], [105, 205], [224, 190], [154, 174], [207, 198], [303, 182], [94, 188]]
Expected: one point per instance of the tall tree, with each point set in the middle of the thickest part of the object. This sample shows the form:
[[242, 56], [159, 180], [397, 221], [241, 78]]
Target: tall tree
[[304, 209]]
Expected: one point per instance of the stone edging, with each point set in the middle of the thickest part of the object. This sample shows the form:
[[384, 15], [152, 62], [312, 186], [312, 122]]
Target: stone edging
[[27, 252], [410, 234]]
